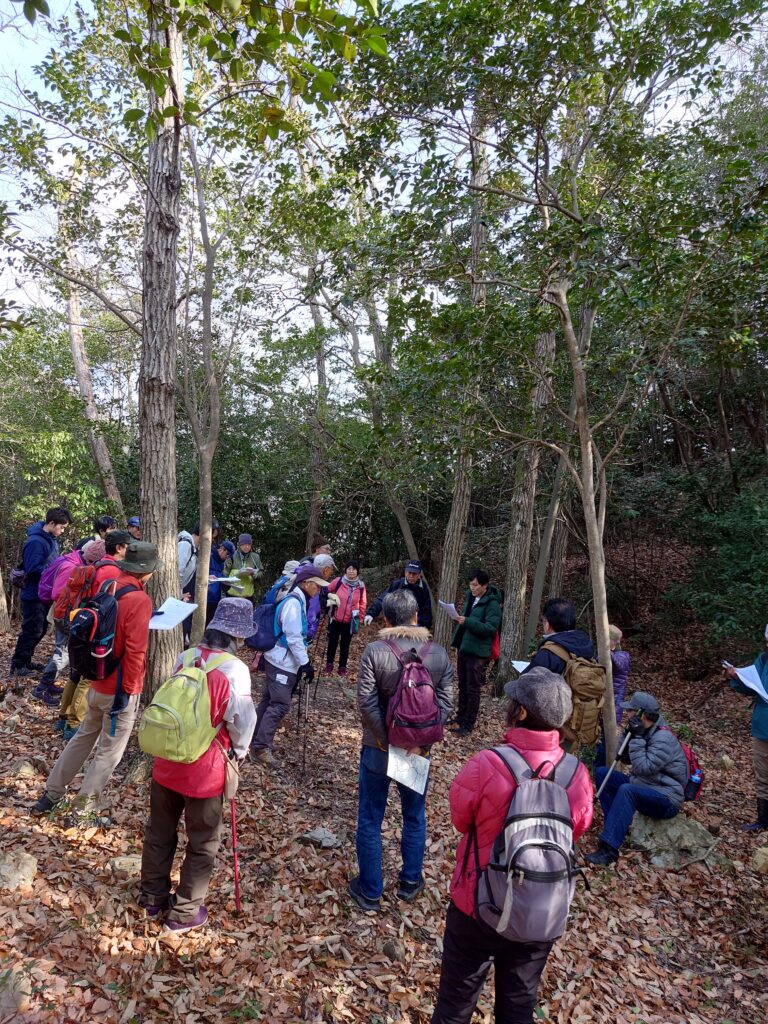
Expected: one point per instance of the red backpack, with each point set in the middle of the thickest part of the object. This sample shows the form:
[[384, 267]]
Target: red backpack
[[80, 587], [695, 783], [413, 714]]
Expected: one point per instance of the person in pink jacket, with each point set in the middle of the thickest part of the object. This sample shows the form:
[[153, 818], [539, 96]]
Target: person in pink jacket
[[349, 608], [196, 790], [540, 703]]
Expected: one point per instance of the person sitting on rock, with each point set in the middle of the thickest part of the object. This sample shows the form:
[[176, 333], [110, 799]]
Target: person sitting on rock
[[656, 786]]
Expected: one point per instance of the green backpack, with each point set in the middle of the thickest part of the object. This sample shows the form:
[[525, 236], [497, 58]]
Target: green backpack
[[177, 723]]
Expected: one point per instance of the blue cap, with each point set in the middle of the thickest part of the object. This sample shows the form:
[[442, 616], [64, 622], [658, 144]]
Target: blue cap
[[134, 521]]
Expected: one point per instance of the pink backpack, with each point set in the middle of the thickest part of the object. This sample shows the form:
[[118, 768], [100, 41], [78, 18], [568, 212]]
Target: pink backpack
[[413, 714]]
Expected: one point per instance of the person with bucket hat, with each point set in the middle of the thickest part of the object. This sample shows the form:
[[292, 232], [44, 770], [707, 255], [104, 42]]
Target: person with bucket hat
[[539, 705], [196, 789], [656, 786], [287, 663], [114, 700]]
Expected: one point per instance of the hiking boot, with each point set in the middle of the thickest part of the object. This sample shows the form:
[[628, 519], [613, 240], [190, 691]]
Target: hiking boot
[[43, 694], [455, 725], [362, 901], [35, 666], [409, 891], [261, 756], [461, 731], [178, 927], [21, 672], [59, 725], [68, 732], [342, 673], [328, 669], [44, 805], [762, 819], [51, 686], [604, 855], [156, 910]]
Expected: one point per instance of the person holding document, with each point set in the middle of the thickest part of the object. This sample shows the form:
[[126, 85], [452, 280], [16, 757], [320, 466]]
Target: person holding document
[[377, 681], [759, 734]]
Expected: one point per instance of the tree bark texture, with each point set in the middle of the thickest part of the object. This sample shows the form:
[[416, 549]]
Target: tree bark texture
[[5, 618], [157, 375], [559, 552], [321, 403], [521, 512]]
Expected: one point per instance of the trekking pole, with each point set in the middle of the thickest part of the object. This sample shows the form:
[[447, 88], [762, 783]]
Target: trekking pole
[[238, 905], [319, 674], [304, 738], [619, 752]]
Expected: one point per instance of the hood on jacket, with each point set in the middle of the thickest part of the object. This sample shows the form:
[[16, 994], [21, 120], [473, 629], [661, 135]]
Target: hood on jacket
[[419, 634], [36, 530], [574, 640]]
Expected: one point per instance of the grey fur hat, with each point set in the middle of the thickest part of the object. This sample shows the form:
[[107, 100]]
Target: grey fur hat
[[234, 616], [544, 694]]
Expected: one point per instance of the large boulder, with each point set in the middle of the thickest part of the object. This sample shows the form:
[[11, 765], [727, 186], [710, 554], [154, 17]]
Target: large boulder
[[17, 869], [672, 842]]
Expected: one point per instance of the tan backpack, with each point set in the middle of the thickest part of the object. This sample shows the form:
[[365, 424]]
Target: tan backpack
[[587, 682]]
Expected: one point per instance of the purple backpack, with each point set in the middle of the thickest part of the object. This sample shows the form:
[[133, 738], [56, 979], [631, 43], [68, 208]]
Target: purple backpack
[[413, 714], [45, 586]]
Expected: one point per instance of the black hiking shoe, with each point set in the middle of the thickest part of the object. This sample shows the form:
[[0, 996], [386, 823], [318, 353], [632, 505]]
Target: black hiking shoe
[[462, 731], [362, 901], [762, 819], [604, 855], [409, 891], [44, 805]]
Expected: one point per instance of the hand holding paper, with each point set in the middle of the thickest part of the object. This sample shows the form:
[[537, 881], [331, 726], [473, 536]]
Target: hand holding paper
[[450, 610]]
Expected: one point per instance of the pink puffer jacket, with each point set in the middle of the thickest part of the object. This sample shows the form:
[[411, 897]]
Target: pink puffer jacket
[[481, 793]]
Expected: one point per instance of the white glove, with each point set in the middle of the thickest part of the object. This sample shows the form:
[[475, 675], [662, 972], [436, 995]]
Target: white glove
[[367, 620], [332, 601]]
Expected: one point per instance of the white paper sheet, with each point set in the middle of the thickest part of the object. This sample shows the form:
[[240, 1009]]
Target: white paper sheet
[[410, 769], [751, 678], [520, 666], [228, 581], [171, 613], [450, 610]]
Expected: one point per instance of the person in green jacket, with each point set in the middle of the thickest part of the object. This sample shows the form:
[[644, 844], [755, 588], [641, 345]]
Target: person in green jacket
[[246, 565], [473, 639], [759, 737]]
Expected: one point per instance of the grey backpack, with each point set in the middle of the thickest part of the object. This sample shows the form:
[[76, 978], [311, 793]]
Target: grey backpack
[[526, 890]]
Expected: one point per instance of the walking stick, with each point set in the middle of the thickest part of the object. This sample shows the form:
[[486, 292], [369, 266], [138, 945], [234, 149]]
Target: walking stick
[[236, 863], [619, 752]]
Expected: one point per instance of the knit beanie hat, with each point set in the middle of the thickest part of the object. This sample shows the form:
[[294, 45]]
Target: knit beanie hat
[[94, 550]]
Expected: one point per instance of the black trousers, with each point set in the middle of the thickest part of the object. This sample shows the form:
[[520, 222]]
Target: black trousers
[[468, 948], [34, 626], [338, 636], [471, 672]]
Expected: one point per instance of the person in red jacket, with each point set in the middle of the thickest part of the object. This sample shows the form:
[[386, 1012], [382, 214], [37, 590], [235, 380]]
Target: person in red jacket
[[540, 703], [195, 790], [111, 714], [349, 610]]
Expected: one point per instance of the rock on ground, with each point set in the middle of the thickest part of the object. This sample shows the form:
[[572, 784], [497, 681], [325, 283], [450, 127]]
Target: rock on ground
[[15, 992], [673, 842], [128, 866], [760, 860], [17, 869]]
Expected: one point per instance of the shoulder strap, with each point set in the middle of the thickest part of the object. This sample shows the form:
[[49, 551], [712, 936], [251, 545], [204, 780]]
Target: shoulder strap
[[394, 648], [424, 650], [514, 761], [558, 649], [565, 770]]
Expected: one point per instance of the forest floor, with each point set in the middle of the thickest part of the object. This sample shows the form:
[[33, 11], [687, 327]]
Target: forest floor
[[645, 946]]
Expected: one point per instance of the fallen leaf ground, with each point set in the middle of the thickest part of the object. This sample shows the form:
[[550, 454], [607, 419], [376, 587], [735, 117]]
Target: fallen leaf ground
[[644, 947]]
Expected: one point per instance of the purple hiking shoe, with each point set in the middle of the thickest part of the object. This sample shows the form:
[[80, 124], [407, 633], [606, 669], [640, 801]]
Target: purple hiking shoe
[[178, 927]]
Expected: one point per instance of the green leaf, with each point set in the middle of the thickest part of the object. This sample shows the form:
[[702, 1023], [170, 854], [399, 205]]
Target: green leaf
[[30, 11], [170, 112], [236, 69], [376, 44], [123, 35], [134, 114], [323, 82], [150, 128]]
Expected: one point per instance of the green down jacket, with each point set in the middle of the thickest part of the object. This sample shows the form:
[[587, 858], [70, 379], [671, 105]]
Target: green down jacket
[[481, 623]]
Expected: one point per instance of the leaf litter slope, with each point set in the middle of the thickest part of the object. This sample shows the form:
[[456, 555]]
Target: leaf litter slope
[[644, 946]]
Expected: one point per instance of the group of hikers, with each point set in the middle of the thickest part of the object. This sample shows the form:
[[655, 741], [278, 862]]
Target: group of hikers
[[516, 863]]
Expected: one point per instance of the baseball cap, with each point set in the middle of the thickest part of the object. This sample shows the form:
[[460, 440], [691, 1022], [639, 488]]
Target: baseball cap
[[413, 566], [642, 701], [307, 574], [134, 521]]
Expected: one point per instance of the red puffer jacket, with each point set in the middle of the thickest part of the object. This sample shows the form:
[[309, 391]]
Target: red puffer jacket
[[351, 599], [481, 794]]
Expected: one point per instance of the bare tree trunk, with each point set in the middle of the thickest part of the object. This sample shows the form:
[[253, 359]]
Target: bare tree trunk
[[157, 375], [545, 547], [5, 618], [559, 553], [462, 488], [727, 436], [522, 506], [96, 440], [321, 402], [594, 519]]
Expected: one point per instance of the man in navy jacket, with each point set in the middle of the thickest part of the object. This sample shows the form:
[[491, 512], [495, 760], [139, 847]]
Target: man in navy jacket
[[412, 580], [40, 549]]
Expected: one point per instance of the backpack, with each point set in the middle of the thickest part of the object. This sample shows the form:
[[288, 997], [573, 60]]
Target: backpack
[[526, 890], [48, 578], [266, 628], [695, 784], [413, 714], [79, 588], [177, 723], [586, 680], [92, 632], [271, 595]]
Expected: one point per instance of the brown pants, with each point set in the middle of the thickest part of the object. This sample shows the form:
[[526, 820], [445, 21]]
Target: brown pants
[[74, 702], [760, 759], [203, 820]]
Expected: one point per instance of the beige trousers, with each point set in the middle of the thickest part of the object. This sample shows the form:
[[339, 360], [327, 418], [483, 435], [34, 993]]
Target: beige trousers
[[95, 728]]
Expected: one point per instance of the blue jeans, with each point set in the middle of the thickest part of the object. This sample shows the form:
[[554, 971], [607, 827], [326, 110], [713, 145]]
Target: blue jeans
[[620, 800], [373, 788]]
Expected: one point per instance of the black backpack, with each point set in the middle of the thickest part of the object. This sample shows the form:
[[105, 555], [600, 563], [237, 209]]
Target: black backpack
[[92, 633]]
